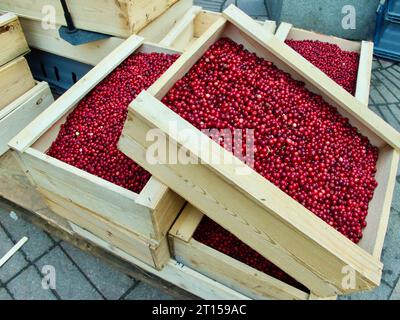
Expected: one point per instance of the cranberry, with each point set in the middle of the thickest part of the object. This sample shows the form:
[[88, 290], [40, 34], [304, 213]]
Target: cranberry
[[302, 144], [341, 66], [89, 137], [216, 237]]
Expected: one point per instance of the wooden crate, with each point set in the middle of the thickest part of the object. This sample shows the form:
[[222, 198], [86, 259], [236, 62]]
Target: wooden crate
[[194, 24], [365, 48], [12, 39], [249, 206], [222, 268], [15, 79], [92, 53], [14, 185], [133, 222], [119, 18]]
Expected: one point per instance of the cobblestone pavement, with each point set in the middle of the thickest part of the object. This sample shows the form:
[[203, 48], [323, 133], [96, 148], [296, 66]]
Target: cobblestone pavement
[[81, 276]]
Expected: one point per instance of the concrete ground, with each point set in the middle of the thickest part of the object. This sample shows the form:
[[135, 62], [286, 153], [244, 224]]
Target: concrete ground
[[81, 276]]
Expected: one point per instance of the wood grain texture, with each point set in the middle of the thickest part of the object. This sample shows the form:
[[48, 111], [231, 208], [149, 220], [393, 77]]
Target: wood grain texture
[[124, 17], [12, 39], [15, 79]]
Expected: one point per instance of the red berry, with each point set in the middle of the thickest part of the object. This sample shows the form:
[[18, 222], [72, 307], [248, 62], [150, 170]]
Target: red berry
[[341, 66], [89, 137]]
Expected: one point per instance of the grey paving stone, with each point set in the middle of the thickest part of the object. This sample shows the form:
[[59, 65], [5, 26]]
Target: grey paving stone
[[396, 292], [70, 282], [253, 8], [38, 242], [145, 292], [16, 263], [4, 295], [391, 252], [382, 86], [28, 286], [380, 293], [112, 283], [375, 95]]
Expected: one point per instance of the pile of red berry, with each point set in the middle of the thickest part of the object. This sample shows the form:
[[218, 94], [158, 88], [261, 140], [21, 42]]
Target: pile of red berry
[[89, 137], [339, 65], [216, 237], [302, 144]]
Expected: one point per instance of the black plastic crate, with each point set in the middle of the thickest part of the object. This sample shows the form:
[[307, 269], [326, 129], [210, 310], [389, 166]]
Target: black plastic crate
[[60, 73]]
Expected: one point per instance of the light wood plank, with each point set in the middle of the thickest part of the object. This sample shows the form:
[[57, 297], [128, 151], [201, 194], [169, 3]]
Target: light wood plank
[[380, 205], [187, 223], [203, 21], [15, 79], [232, 273], [157, 29], [283, 31], [21, 113], [50, 41], [113, 203], [182, 25], [364, 72], [270, 26], [12, 40], [124, 17], [109, 232]]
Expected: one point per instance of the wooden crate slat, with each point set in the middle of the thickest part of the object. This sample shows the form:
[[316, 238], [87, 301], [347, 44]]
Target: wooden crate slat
[[173, 272], [123, 17], [12, 40], [19, 113], [181, 26], [222, 268], [364, 72], [15, 79], [380, 206]]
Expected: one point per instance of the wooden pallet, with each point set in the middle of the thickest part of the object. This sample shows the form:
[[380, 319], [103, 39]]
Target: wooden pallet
[[12, 41], [122, 17], [249, 206], [286, 31], [135, 223], [92, 53]]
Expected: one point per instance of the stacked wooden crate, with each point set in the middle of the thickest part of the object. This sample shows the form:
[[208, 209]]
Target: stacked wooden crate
[[21, 100], [135, 226], [151, 21]]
